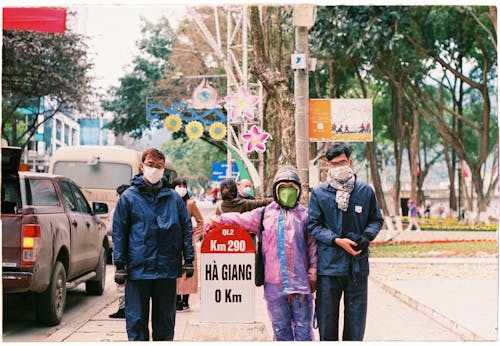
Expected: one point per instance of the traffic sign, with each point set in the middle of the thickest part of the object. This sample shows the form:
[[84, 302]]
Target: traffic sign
[[227, 276], [219, 171]]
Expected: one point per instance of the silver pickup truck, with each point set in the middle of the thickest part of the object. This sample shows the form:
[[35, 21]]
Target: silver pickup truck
[[52, 239]]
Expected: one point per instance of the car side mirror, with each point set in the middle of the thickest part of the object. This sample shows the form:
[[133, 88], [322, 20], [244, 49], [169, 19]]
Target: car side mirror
[[99, 208]]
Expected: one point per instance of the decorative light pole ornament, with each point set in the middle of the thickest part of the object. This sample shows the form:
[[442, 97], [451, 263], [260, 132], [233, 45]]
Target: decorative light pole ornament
[[194, 129], [217, 131], [173, 122], [242, 103], [256, 139]]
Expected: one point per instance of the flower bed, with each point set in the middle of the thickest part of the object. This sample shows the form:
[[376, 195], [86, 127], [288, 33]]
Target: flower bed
[[449, 224]]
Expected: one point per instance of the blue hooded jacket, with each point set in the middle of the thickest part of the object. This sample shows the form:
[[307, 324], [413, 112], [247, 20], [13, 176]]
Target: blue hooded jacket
[[151, 231], [326, 222]]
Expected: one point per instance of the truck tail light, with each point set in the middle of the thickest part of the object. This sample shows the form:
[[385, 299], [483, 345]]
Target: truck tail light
[[30, 244]]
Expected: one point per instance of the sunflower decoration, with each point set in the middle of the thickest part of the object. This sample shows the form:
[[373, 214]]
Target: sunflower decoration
[[217, 131], [194, 129], [173, 122]]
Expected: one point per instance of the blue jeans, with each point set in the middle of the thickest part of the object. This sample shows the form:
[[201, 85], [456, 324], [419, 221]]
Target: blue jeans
[[292, 321], [162, 293], [328, 295]]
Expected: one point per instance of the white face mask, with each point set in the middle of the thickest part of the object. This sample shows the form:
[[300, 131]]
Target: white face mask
[[247, 191], [181, 191], [341, 173], [151, 174]]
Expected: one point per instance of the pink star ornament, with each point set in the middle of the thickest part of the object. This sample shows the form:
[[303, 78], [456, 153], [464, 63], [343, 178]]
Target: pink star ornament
[[242, 103], [255, 139]]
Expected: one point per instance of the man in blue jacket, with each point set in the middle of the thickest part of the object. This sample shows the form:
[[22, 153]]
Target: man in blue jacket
[[343, 217], [151, 234]]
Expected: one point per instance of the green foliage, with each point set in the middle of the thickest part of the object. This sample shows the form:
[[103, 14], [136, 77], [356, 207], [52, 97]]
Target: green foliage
[[38, 65], [437, 249], [129, 100], [193, 159]]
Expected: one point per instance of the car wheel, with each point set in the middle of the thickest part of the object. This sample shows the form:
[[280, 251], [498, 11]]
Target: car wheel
[[96, 285], [50, 303]]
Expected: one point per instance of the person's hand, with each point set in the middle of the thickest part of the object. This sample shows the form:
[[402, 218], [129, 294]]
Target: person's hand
[[313, 286], [362, 243], [188, 268], [348, 245], [121, 276], [212, 223]]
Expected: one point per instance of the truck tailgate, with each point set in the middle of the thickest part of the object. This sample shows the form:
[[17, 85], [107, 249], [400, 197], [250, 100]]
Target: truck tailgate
[[11, 242]]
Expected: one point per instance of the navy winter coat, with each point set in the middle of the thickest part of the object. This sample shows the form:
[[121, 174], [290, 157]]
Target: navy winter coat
[[327, 222], [151, 232]]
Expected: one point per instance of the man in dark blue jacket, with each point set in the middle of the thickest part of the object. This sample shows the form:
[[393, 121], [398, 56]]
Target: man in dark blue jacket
[[343, 217], [151, 234]]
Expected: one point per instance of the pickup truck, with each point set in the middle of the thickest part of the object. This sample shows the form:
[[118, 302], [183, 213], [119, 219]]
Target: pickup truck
[[52, 240]]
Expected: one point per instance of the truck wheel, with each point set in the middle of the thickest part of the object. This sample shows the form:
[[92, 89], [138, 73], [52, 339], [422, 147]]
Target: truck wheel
[[50, 304], [96, 285]]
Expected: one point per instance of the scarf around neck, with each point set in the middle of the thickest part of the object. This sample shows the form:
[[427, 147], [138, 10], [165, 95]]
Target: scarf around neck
[[344, 188]]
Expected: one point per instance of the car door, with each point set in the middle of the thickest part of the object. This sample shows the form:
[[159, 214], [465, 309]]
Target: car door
[[78, 231], [91, 237]]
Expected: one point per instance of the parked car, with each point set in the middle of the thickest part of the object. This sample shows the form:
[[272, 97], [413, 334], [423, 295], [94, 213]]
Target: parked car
[[52, 240]]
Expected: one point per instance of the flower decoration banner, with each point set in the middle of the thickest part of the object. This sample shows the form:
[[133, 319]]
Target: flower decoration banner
[[242, 103], [256, 139]]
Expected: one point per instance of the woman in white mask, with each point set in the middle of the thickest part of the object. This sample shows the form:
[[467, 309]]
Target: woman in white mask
[[187, 286]]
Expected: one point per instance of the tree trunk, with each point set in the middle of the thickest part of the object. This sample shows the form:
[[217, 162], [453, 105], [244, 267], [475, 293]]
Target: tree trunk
[[279, 107], [413, 159]]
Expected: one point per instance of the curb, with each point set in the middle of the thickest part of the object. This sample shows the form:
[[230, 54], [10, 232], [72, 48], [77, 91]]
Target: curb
[[463, 332]]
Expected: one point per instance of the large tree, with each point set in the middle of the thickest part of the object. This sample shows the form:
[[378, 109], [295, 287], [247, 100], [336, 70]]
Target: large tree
[[42, 74]]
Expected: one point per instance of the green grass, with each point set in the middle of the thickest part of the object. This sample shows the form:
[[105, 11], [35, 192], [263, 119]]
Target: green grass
[[449, 249]]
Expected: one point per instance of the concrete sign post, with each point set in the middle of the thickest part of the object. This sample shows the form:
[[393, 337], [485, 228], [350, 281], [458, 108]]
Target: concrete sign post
[[227, 276]]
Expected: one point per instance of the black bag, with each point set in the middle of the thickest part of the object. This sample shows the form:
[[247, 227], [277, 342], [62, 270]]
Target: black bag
[[259, 260]]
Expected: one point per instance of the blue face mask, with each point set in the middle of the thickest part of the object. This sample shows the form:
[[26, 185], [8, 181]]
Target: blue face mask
[[247, 191]]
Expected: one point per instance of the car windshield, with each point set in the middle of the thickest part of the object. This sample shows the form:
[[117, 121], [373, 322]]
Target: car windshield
[[103, 175]]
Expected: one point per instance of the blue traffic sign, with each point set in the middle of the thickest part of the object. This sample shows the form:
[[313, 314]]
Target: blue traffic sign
[[219, 171]]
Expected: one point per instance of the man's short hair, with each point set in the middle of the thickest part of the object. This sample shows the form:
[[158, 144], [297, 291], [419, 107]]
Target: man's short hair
[[152, 152], [336, 149]]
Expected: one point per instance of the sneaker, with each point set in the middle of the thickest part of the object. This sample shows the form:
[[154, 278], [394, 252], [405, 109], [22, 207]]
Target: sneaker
[[119, 314], [179, 306], [185, 306]]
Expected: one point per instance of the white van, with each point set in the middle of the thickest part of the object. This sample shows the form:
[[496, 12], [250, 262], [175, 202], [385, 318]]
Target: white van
[[99, 170]]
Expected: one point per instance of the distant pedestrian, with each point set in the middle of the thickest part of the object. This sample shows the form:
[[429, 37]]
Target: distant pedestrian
[[427, 210], [151, 235], [412, 216], [186, 285], [245, 189], [231, 203], [343, 217], [289, 254], [119, 288]]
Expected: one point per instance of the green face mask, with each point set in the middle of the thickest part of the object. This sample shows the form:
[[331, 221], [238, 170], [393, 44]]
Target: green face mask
[[287, 196]]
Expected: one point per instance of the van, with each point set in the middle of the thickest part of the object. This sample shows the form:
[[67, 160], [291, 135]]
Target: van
[[99, 170]]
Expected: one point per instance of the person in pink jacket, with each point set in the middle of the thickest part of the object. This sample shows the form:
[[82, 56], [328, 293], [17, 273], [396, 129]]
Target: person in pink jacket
[[290, 256]]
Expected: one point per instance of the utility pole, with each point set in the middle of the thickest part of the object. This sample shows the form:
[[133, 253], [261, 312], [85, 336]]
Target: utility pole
[[303, 19]]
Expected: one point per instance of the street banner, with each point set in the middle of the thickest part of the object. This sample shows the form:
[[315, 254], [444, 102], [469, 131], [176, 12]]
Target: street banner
[[44, 19], [227, 276], [342, 120]]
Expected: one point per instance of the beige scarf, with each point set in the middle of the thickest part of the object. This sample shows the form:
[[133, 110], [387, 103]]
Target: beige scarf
[[341, 179]]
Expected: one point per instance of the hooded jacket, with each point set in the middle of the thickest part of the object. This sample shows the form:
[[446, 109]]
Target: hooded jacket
[[151, 231], [327, 222], [295, 249]]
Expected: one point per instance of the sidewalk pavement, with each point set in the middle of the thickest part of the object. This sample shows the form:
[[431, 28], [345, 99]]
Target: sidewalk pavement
[[440, 310], [399, 309]]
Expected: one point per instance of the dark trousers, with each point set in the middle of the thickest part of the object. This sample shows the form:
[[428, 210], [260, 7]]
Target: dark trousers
[[328, 295], [138, 294]]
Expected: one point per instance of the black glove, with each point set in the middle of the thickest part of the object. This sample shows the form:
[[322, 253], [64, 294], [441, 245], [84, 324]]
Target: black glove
[[363, 243], [121, 276], [188, 268]]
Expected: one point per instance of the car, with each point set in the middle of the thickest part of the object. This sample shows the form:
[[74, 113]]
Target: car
[[52, 239]]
